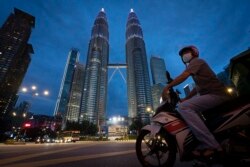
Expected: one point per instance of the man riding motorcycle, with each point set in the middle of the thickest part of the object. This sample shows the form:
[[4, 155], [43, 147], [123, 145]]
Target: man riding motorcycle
[[208, 92]]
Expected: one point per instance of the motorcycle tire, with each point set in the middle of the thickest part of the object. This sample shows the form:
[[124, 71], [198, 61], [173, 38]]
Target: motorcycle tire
[[157, 151]]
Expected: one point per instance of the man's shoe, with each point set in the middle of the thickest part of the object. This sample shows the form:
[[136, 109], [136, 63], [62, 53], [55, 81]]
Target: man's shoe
[[209, 153]]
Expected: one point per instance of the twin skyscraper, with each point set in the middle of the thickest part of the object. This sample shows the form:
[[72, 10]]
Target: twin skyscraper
[[91, 105]]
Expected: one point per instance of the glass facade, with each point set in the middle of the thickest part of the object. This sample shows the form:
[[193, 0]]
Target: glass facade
[[158, 70], [138, 81], [156, 94], [64, 93], [74, 103], [94, 96]]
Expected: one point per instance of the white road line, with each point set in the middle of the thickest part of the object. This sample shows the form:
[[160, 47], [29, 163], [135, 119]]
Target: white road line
[[70, 159], [23, 157]]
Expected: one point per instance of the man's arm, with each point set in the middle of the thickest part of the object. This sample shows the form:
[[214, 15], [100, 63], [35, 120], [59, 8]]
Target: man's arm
[[179, 79], [176, 81]]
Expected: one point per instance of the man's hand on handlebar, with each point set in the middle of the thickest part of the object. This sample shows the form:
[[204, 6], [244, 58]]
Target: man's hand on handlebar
[[165, 93]]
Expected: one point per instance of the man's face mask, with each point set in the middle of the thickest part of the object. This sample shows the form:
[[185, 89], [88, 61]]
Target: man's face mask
[[187, 57]]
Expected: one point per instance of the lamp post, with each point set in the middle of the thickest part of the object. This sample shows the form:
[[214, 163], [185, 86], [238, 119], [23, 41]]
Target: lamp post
[[150, 112], [31, 93], [33, 90], [148, 109]]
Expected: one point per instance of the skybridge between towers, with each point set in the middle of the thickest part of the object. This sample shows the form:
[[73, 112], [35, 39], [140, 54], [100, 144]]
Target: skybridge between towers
[[117, 67]]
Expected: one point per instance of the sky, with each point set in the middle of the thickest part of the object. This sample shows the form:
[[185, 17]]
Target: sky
[[219, 28]]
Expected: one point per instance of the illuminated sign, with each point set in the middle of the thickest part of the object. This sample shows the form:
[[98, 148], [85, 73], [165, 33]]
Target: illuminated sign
[[27, 125]]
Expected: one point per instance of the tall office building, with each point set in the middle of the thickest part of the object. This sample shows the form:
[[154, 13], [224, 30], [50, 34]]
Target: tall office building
[[15, 56], [188, 88], [64, 93], [74, 103], [158, 71], [138, 82], [94, 96], [156, 94]]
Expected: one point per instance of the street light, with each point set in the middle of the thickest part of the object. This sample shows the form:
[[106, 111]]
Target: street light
[[34, 91], [31, 93], [230, 90], [24, 89], [46, 93], [148, 109], [33, 87]]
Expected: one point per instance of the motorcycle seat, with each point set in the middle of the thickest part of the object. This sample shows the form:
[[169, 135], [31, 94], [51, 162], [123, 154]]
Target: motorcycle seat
[[229, 105], [212, 116]]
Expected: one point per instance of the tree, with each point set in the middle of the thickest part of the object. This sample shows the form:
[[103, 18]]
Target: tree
[[72, 126], [136, 125], [86, 127], [92, 129]]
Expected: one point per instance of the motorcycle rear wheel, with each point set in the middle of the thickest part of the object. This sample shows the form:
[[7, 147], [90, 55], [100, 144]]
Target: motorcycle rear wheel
[[157, 151]]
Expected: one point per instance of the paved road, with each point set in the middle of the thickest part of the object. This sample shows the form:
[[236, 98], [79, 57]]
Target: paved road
[[89, 154]]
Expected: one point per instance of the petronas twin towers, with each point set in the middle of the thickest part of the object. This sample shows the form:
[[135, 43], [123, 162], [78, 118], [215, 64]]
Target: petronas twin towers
[[94, 95], [95, 83]]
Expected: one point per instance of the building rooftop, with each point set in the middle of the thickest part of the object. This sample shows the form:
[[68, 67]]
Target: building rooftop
[[23, 14]]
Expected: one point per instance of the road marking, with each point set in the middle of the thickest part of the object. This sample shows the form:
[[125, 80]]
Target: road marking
[[23, 157], [70, 159]]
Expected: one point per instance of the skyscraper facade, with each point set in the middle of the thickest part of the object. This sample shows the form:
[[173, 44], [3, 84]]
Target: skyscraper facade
[[15, 56], [156, 94], [64, 92], [74, 103], [158, 70], [188, 88], [138, 81], [94, 96]]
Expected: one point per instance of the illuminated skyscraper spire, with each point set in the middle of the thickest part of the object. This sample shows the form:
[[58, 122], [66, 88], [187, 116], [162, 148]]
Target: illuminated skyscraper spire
[[139, 90], [94, 95]]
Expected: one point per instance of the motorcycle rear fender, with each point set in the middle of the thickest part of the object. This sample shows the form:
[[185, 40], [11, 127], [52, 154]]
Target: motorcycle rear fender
[[153, 128], [238, 117]]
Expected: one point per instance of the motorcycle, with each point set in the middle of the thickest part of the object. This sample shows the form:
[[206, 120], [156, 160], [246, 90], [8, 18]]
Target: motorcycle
[[158, 143]]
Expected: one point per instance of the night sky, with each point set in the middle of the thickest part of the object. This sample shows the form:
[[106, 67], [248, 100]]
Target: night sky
[[219, 28]]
